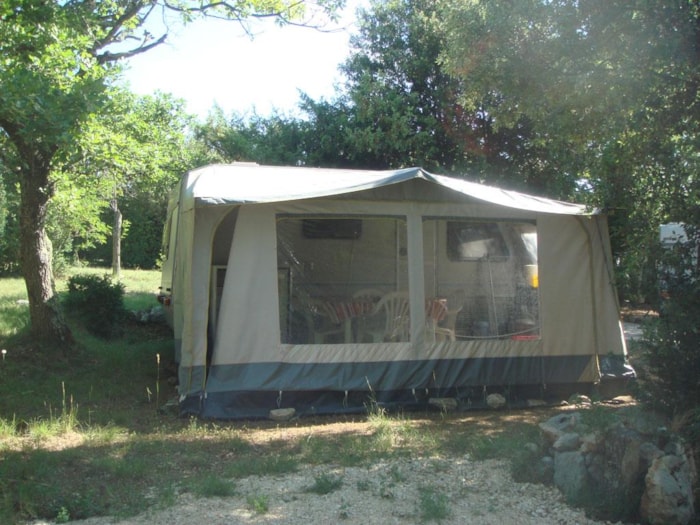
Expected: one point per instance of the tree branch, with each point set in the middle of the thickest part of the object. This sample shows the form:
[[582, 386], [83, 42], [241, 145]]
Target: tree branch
[[235, 13], [112, 57], [118, 24]]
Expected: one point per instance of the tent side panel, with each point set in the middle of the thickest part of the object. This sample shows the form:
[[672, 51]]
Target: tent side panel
[[567, 295], [256, 388], [248, 323], [612, 348], [607, 309], [200, 224], [168, 246], [580, 311], [181, 281]]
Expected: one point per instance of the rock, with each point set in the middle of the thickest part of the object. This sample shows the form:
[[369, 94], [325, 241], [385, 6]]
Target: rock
[[445, 404], [592, 442], [596, 468], [648, 452], [532, 447], [570, 475], [621, 400], [282, 414], [630, 466], [623, 464], [668, 494], [560, 424], [580, 399], [674, 447], [567, 442], [495, 401], [629, 457], [155, 315], [545, 469]]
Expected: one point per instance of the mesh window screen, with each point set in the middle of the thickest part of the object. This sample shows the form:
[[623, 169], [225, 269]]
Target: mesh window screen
[[345, 279], [486, 273], [335, 276]]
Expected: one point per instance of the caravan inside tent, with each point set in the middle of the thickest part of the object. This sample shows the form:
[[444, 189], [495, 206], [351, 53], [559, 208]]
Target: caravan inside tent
[[322, 290]]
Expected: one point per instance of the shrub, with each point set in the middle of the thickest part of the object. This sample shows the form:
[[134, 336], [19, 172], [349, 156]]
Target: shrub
[[325, 484], [671, 345], [98, 302], [671, 352], [433, 505]]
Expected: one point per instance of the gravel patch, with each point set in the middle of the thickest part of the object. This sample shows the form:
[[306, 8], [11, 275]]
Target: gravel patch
[[386, 493]]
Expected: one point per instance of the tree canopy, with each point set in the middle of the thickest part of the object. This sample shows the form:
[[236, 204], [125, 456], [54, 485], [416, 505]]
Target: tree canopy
[[594, 101], [56, 62], [132, 152], [610, 92]]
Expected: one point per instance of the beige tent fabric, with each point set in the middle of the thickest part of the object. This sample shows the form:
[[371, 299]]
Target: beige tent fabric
[[577, 298]]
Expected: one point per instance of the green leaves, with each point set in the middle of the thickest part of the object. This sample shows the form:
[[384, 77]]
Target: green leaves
[[401, 98], [607, 88], [56, 63], [133, 152], [48, 83]]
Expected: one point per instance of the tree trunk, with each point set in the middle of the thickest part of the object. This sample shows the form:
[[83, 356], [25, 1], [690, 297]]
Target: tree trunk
[[116, 240], [46, 322]]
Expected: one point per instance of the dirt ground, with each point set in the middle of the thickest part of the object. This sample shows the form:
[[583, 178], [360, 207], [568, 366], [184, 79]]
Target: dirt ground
[[462, 491], [449, 491], [454, 490]]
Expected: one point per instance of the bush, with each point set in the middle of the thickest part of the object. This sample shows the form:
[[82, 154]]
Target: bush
[[98, 302], [671, 352]]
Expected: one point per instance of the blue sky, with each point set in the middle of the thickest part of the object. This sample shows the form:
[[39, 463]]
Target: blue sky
[[215, 62]]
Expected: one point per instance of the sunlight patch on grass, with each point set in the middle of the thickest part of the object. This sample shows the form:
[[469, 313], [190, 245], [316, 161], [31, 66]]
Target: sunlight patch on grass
[[14, 310], [8, 428]]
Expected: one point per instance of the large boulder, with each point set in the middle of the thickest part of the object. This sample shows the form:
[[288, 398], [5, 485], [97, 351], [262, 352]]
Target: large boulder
[[635, 462], [624, 468], [668, 496], [570, 474], [567, 442], [555, 427], [495, 401]]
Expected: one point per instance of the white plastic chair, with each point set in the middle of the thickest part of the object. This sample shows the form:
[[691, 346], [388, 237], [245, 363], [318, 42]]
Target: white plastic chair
[[446, 330], [321, 323], [369, 327], [394, 306]]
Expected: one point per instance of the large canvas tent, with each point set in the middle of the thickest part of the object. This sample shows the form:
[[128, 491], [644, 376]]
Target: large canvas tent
[[322, 289]]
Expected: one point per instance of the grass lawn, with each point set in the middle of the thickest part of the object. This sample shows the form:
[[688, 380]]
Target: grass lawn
[[82, 435]]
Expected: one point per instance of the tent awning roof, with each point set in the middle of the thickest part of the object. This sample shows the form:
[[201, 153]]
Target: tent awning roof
[[242, 183]]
